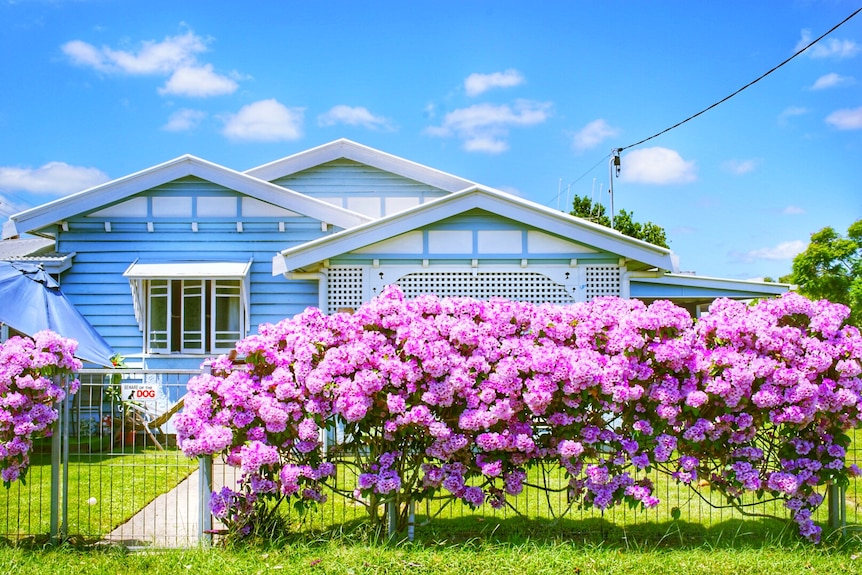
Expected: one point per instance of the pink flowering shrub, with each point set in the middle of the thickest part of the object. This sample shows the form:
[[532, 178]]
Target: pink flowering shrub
[[462, 397], [28, 395]]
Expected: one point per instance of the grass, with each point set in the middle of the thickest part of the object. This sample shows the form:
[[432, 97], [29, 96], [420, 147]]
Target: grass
[[351, 553]]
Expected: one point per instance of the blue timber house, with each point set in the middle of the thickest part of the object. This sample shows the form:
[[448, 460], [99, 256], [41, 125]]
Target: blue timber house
[[175, 263]]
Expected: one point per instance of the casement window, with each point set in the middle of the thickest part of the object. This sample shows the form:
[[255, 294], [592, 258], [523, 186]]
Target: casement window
[[190, 307]]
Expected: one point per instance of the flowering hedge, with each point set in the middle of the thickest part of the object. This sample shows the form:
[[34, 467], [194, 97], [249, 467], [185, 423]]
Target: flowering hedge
[[463, 396], [28, 394]]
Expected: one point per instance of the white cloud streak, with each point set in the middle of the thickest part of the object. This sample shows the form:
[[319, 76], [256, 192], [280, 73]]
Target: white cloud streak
[[353, 116], [184, 120], [846, 119], [828, 47], [593, 134], [54, 178], [782, 252], [832, 80], [657, 166], [485, 127], [741, 167], [265, 121], [476, 84]]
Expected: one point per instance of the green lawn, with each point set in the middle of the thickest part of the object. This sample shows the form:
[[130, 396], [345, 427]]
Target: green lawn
[[345, 555]]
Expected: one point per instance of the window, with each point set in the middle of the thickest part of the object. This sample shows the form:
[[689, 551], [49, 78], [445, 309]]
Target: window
[[194, 307]]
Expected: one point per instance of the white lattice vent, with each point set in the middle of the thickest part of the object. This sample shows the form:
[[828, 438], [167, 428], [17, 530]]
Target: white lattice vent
[[523, 286], [344, 288], [602, 280]]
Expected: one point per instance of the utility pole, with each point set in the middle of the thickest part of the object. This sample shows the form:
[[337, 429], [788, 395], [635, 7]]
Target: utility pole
[[613, 165]]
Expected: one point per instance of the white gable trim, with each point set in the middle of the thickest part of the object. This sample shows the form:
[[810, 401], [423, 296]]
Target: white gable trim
[[493, 201], [349, 150], [117, 190]]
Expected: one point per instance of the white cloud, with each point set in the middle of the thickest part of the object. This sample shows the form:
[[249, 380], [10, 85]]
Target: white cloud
[[791, 112], [175, 57], [184, 120], [657, 166], [485, 127], [828, 47], [152, 58], [741, 167], [792, 211], [198, 82], [265, 121], [476, 84], [846, 119], [54, 178], [781, 252], [593, 134], [353, 116], [832, 80]]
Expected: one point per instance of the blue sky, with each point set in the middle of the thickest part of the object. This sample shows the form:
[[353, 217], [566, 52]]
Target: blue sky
[[527, 97]]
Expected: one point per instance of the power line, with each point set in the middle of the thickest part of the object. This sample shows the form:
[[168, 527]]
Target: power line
[[725, 99], [616, 151]]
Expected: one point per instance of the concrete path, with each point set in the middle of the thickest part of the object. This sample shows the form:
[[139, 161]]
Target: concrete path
[[171, 519]]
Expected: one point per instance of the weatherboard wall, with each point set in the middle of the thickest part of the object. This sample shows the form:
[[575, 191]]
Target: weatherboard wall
[[361, 188], [106, 243]]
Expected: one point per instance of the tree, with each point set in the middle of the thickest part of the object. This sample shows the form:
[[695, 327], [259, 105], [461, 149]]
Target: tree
[[831, 268], [624, 222]]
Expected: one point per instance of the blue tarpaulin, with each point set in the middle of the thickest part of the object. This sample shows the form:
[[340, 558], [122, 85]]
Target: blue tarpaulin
[[31, 301]]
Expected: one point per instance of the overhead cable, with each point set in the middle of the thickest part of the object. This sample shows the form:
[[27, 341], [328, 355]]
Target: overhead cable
[[725, 99]]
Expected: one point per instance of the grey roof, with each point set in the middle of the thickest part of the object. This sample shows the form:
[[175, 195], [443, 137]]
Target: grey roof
[[37, 251], [26, 249]]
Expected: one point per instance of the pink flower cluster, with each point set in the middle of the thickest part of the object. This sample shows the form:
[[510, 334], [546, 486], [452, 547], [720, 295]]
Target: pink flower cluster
[[466, 395], [28, 394]]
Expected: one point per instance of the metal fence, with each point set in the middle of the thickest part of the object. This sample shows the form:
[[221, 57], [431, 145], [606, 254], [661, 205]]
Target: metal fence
[[113, 474]]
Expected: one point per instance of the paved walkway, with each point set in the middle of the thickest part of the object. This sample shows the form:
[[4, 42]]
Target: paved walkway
[[171, 519]]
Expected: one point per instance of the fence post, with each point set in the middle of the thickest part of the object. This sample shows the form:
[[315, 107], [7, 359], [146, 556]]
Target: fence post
[[837, 508], [205, 489], [64, 525], [392, 517], [55, 480], [59, 458]]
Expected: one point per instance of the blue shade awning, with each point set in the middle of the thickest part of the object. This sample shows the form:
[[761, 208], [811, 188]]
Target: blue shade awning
[[31, 301]]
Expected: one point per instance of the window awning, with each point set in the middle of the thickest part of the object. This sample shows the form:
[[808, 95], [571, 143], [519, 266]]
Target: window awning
[[139, 272], [191, 269]]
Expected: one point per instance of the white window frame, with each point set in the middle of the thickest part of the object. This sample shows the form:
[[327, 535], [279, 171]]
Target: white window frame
[[209, 282]]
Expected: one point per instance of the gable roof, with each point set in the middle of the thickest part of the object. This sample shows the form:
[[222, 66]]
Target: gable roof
[[187, 165], [346, 149], [493, 201]]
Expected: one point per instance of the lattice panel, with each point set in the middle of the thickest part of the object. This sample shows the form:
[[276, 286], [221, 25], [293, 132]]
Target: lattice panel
[[344, 288], [602, 280], [518, 286]]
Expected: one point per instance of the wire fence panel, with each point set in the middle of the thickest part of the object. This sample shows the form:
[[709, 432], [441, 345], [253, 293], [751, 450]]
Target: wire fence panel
[[127, 483]]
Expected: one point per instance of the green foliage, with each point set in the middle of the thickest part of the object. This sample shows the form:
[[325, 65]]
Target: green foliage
[[831, 268], [624, 221]]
